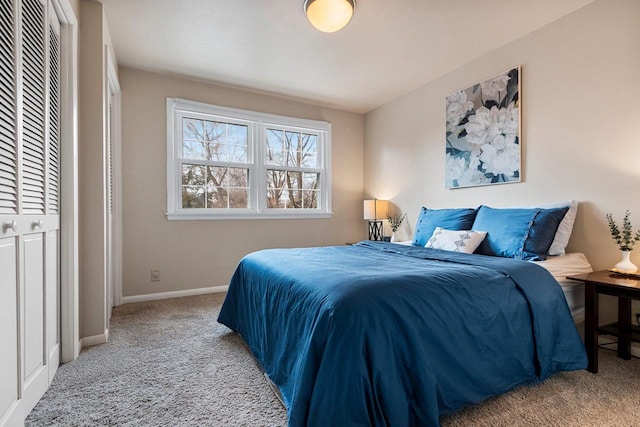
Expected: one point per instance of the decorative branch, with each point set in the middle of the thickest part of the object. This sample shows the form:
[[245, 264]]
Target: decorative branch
[[395, 221], [625, 238]]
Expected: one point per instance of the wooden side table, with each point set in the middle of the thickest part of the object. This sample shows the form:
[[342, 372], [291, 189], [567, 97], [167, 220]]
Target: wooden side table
[[625, 289]]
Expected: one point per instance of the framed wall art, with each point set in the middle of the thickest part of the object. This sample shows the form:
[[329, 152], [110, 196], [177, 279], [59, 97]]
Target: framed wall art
[[483, 144]]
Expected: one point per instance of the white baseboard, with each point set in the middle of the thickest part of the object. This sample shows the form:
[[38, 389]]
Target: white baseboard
[[94, 339], [578, 315], [173, 294]]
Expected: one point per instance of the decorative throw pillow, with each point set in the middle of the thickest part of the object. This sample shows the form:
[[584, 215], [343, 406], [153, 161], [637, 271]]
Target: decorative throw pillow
[[518, 233], [449, 219], [465, 241]]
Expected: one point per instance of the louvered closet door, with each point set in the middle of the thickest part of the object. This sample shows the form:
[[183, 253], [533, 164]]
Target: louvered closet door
[[110, 216], [10, 404], [35, 221], [29, 204], [53, 199]]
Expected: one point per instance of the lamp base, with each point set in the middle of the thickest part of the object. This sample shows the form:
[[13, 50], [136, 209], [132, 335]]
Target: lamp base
[[375, 230]]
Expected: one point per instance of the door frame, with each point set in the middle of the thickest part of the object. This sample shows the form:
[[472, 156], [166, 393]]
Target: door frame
[[69, 272]]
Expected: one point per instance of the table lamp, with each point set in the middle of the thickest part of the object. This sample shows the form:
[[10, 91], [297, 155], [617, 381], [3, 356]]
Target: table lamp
[[374, 211]]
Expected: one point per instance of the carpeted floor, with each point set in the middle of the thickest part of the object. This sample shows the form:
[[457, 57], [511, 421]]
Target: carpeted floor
[[169, 363]]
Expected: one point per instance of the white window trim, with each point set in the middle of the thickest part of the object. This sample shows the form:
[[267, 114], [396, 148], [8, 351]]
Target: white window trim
[[257, 195]]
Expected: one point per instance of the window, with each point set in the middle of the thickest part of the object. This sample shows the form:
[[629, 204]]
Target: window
[[228, 163], [292, 169], [214, 164]]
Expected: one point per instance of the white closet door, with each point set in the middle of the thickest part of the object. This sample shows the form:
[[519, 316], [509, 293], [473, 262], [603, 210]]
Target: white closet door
[[10, 386], [10, 405], [29, 205], [52, 274], [109, 239], [35, 223]]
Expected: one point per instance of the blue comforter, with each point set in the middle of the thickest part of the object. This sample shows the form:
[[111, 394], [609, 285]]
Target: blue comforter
[[379, 334]]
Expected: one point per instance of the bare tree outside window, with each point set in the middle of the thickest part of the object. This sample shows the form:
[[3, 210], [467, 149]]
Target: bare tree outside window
[[226, 163], [292, 163], [208, 179]]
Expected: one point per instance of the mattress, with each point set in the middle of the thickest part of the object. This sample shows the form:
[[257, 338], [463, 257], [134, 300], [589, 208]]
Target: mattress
[[562, 266]]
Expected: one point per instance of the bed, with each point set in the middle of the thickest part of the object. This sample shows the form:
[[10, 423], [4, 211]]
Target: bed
[[397, 335], [562, 266]]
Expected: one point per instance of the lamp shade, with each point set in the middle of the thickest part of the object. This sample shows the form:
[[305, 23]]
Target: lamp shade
[[375, 209], [329, 16]]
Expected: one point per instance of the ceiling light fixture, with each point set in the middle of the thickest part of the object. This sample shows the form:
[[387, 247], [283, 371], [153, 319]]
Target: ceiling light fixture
[[329, 16]]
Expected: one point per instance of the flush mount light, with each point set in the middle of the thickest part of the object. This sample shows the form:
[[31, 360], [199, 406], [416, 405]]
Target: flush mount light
[[329, 16]]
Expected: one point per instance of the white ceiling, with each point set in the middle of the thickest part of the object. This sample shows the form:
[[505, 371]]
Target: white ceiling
[[389, 48]]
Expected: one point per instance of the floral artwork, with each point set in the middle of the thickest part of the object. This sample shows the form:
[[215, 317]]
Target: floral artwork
[[483, 132]]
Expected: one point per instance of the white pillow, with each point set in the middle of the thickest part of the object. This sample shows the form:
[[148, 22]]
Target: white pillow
[[561, 239], [465, 241]]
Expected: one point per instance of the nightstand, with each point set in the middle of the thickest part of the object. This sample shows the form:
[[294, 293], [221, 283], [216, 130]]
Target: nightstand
[[625, 289]]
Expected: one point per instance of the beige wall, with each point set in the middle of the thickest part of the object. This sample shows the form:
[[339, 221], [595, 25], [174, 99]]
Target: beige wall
[[580, 109], [92, 102], [196, 254]]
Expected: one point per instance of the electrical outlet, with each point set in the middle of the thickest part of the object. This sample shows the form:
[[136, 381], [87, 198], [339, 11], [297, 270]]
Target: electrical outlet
[[155, 275]]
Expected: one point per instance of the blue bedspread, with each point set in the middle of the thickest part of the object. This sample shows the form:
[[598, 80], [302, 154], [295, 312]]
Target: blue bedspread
[[379, 334]]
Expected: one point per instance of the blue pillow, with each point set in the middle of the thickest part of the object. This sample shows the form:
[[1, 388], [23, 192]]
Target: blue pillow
[[449, 219], [524, 234]]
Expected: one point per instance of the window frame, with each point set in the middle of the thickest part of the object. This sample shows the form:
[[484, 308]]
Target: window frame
[[257, 124], [266, 166]]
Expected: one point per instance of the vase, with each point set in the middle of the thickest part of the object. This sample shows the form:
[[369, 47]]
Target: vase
[[393, 237], [626, 266]]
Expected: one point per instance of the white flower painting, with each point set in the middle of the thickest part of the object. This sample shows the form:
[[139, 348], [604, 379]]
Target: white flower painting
[[483, 132]]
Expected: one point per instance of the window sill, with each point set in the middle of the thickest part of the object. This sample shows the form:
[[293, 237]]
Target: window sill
[[203, 216]]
